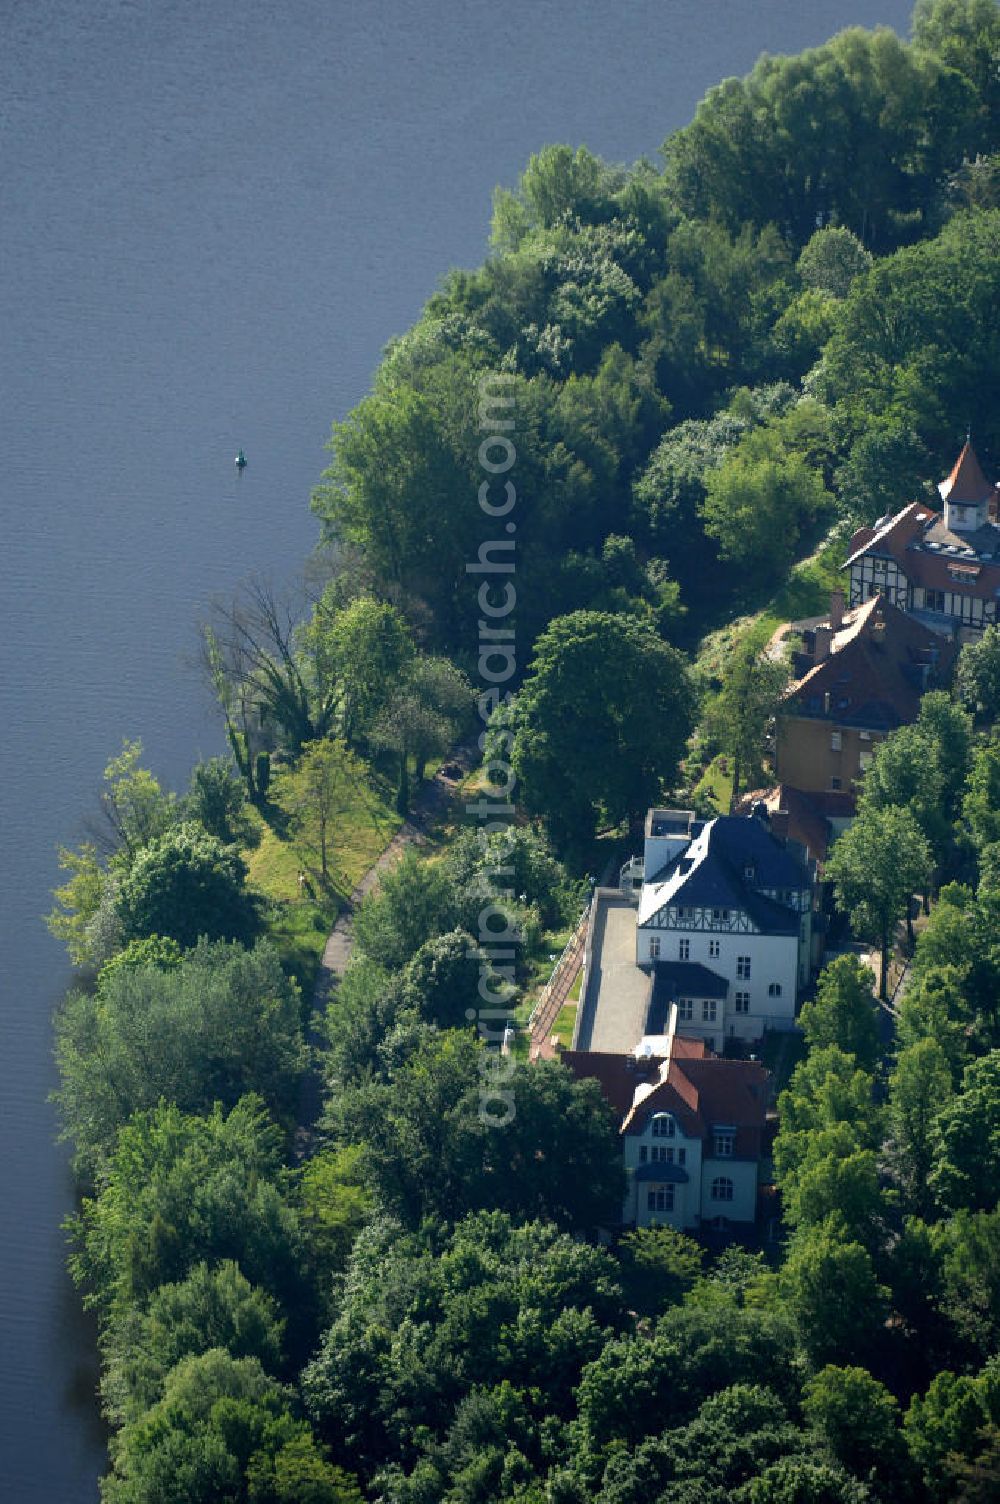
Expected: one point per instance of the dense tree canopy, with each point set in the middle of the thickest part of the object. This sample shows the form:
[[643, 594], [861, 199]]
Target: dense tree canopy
[[218, 1024], [600, 723]]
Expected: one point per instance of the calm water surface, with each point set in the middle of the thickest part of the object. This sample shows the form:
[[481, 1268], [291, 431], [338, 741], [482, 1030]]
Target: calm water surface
[[212, 217]]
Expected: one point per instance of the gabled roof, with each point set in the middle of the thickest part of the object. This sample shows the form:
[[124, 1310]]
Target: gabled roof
[[875, 672], [700, 1091], [966, 482], [892, 535], [710, 873], [807, 820]]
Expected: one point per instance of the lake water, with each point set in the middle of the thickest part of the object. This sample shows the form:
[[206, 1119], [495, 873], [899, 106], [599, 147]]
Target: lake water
[[211, 220]]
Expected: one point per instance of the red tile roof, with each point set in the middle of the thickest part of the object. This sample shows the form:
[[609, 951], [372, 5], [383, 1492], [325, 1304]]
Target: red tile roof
[[966, 482], [700, 1089], [893, 535], [874, 674]]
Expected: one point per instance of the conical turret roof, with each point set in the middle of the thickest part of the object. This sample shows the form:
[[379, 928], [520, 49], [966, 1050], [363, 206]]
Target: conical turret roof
[[966, 483]]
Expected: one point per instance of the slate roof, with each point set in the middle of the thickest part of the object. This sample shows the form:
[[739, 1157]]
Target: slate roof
[[676, 979], [709, 873]]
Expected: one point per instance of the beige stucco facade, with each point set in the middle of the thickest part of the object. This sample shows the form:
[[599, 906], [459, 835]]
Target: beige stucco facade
[[818, 756]]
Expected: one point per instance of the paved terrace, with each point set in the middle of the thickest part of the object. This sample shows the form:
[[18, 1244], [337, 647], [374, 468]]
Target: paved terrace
[[613, 1010]]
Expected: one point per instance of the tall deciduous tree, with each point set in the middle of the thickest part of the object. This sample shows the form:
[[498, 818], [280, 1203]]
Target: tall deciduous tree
[[875, 867], [977, 676], [843, 1012], [322, 786], [738, 717], [220, 1022], [757, 502], [184, 885], [919, 1089], [967, 1172], [833, 1293], [600, 722]]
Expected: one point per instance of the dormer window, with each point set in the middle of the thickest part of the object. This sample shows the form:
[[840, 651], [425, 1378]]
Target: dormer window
[[663, 1125]]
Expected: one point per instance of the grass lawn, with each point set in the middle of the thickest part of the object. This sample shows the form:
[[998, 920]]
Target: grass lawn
[[805, 593], [717, 780], [302, 918]]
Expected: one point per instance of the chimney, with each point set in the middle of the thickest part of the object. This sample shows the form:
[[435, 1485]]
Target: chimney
[[823, 638], [779, 824], [836, 610]]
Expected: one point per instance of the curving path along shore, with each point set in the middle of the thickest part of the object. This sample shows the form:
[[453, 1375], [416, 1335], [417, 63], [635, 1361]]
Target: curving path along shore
[[430, 803]]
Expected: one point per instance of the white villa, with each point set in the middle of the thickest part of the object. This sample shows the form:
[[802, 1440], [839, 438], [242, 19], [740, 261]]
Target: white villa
[[691, 1127], [724, 923]]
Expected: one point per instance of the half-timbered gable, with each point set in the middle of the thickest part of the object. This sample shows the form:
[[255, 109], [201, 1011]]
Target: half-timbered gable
[[942, 567], [734, 905]]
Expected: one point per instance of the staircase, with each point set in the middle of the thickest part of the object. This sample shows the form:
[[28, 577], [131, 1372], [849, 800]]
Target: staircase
[[556, 991]]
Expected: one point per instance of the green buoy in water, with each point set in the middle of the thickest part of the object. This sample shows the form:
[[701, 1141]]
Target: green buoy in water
[[240, 462]]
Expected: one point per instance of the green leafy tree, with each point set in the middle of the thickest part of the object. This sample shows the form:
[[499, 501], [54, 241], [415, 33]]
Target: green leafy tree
[[483, 1303], [185, 885], [906, 774], [78, 901], [217, 1433], [322, 787], [967, 1172], [660, 1266], [965, 36], [977, 677], [216, 798], [214, 1307], [913, 334], [433, 1147], [981, 805], [935, 1006], [334, 1203], [413, 903], [836, 1182], [826, 1092], [805, 1480], [843, 1012], [600, 722], [831, 260], [967, 1247], [920, 1087], [441, 982], [859, 1421], [422, 715], [692, 1354], [212, 1027], [737, 718], [134, 809], [180, 1190], [757, 502], [946, 1422], [372, 649], [834, 1295], [875, 867]]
